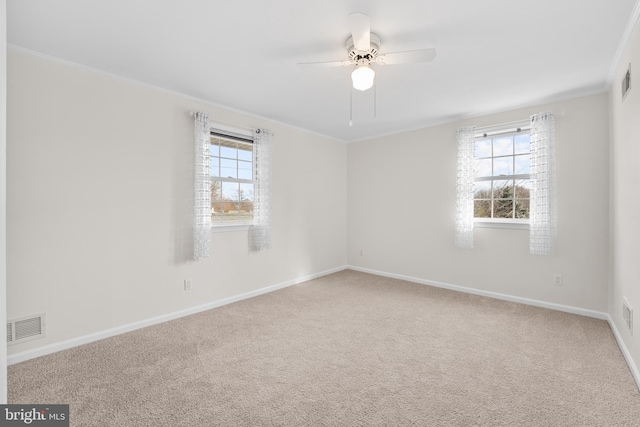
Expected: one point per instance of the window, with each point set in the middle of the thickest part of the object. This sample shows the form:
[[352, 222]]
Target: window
[[502, 176], [232, 178]]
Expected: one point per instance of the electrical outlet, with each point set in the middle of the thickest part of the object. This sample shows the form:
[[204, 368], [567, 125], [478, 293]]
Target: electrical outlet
[[361, 252], [557, 279], [187, 284]]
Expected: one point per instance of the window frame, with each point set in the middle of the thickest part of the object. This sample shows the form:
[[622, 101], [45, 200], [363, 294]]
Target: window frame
[[243, 136], [490, 133]]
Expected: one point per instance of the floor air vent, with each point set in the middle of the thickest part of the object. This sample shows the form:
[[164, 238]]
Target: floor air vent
[[25, 329]]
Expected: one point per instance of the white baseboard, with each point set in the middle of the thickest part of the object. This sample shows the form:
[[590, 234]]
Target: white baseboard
[[64, 345], [495, 295], [74, 342], [625, 351]]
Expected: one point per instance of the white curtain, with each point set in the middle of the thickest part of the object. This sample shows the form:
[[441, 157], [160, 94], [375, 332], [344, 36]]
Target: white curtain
[[542, 221], [260, 233], [464, 188], [202, 188]]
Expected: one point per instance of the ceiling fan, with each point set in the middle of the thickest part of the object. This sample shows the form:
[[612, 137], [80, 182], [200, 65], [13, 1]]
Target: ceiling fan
[[363, 49]]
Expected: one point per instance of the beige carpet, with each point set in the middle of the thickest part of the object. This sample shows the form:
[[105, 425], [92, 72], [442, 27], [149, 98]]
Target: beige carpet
[[345, 350]]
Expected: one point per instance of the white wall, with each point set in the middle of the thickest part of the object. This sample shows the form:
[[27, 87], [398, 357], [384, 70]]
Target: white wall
[[401, 210], [99, 203], [625, 196], [3, 199]]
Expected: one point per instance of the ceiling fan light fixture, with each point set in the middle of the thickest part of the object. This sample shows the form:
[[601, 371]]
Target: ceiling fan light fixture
[[362, 77]]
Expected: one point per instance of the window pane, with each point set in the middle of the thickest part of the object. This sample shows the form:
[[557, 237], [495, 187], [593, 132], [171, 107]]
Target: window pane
[[503, 208], [523, 163], [522, 208], [244, 170], [217, 211], [228, 168], [482, 148], [228, 152], [244, 152], [522, 188], [503, 189], [482, 190], [482, 168], [214, 169], [230, 210], [482, 208], [523, 143], [235, 204], [230, 190], [245, 212], [503, 199], [503, 166], [503, 146], [216, 193], [246, 191], [214, 149], [246, 202]]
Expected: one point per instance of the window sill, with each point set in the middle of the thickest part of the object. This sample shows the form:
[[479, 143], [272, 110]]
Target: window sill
[[221, 228], [501, 223]]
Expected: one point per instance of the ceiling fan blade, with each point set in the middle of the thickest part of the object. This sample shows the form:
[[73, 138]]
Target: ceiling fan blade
[[326, 64], [407, 57], [360, 25]]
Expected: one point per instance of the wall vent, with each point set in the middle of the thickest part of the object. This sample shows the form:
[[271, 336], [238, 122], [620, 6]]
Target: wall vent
[[627, 314], [626, 83], [26, 329]]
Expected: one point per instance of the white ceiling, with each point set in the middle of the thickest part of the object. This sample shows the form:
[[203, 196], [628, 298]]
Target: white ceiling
[[492, 54]]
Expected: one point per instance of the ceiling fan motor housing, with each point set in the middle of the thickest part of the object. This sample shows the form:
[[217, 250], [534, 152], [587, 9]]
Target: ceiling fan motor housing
[[366, 56]]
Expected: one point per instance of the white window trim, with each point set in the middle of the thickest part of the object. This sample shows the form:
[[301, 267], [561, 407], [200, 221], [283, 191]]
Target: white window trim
[[231, 225], [518, 224], [223, 228]]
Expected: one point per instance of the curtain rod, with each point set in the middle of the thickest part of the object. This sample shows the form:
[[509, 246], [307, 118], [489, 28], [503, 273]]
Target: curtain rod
[[215, 121], [500, 132], [233, 125], [502, 128]]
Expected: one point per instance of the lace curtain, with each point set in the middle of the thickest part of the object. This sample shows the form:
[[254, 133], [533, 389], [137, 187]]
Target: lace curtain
[[201, 189], [260, 233], [464, 188], [542, 221]]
